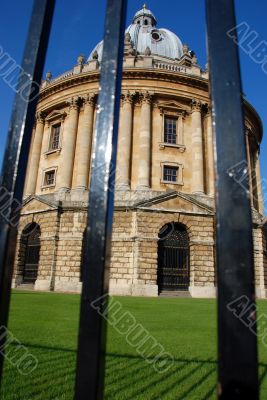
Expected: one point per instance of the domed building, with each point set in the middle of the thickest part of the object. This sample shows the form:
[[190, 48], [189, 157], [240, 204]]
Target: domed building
[[163, 232]]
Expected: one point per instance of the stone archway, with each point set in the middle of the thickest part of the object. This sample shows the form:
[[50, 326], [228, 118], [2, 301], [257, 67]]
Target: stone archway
[[30, 245], [173, 258]]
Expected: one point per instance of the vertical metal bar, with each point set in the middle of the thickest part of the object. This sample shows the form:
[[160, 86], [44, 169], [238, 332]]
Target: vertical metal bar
[[237, 345], [92, 332], [18, 145]]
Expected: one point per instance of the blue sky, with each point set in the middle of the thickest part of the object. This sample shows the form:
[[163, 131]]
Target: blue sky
[[76, 31]]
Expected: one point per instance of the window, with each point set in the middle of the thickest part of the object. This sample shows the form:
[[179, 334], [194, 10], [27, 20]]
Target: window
[[50, 178], [156, 36], [170, 130], [54, 137], [170, 174]]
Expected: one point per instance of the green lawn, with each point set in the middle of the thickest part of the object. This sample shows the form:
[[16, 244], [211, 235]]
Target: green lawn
[[46, 323]]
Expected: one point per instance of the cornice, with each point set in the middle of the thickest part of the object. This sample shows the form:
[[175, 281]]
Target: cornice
[[133, 73], [69, 82], [167, 76], [192, 81]]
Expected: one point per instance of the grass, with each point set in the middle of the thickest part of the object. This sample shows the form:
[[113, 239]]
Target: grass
[[46, 323]]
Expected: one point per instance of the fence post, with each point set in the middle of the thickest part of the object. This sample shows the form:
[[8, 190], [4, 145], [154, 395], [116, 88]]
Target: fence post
[[92, 331], [237, 343], [18, 146]]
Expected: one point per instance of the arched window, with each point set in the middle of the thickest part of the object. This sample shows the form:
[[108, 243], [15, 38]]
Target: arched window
[[30, 252], [146, 22], [173, 258]]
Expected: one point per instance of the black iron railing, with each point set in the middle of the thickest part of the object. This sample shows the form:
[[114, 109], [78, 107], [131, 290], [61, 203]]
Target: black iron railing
[[237, 345]]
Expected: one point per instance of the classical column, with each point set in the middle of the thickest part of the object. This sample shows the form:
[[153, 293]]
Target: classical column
[[68, 147], [145, 143], [259, 187], [125, 142], [210, 156], [33, 166], [249, 166], [84, 144], [197, 149]]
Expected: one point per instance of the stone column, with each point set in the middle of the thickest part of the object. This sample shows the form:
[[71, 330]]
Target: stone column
[[197, 149], [69, 142], [210, 155], [259, 188], [33, 166], [249, 166], [84, 144], [145, 143], [125, 142]]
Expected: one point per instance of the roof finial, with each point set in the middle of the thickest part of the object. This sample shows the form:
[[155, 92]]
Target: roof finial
[[145, 6]]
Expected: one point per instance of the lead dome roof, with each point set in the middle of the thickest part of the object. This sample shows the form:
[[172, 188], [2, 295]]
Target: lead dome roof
[[144, 33]]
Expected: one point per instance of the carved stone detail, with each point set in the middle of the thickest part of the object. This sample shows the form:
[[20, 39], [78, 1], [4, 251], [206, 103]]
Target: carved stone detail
[[90, 99], [146, 97], [40, 117], [127, 97], [81, 59], [196, 105], [207, 109], [74, 103]]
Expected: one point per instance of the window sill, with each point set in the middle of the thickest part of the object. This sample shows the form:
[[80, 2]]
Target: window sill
[[56, 151], [48, 187], [179, 183], [180, 147]]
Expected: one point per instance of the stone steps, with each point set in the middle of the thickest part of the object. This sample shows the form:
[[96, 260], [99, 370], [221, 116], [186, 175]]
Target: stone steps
[[175, 293]]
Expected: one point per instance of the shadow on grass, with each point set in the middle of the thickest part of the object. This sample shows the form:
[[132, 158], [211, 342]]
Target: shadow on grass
[[128, 376]]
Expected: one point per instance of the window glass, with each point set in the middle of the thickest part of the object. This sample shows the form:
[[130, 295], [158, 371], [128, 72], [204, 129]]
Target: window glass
[[49, 178], [170, 174], [54, 138], [170, 130]]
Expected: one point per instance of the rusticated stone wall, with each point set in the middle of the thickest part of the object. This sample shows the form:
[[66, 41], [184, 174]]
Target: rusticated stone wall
[[134, 261]]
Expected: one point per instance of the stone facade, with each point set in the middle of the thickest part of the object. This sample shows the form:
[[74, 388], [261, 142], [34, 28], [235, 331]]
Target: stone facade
[[154, 88]]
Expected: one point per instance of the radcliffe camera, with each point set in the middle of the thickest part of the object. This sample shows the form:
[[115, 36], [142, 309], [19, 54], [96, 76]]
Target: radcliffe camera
[[133, 231]]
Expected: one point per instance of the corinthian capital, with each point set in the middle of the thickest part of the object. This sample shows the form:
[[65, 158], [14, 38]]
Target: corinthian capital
[[90, 99], [196, 105], [74, 103], [40, 117], [146, 98], [127, 97], [207, 109]]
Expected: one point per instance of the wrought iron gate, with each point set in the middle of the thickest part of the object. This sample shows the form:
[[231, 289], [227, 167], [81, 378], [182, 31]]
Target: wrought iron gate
[[32, 254], [237, 345], [173, 258]]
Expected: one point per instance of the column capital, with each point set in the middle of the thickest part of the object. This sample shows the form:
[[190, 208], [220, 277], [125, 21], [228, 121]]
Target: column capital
[[74, 103], [40, 117], [196, 105], [127, 97], [207, 109], [90, 99], [146, 97]]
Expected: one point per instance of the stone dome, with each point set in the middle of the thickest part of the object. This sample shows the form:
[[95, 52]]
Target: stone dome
[[144, 34]]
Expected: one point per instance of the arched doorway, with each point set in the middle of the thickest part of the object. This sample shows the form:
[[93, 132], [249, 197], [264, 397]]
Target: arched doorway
[[30, 248], [173, 258]]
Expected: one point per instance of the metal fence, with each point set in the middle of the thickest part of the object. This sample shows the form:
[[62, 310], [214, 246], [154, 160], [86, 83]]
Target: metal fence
[[237, 345]]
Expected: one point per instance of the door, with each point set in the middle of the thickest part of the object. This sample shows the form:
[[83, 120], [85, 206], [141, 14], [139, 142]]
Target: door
[[32, 255], [173, 258]]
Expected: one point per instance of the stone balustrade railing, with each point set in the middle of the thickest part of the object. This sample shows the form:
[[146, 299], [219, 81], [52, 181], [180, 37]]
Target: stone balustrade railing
[[195, 70]]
